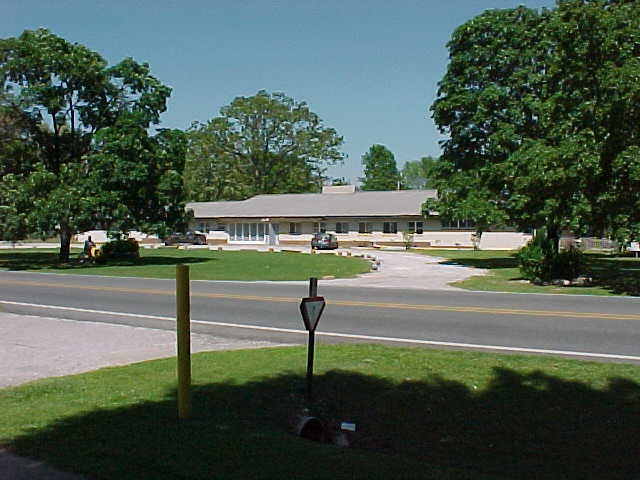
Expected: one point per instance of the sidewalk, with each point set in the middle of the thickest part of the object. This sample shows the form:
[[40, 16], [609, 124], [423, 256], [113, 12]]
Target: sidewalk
[[13, 467], [39, 347]]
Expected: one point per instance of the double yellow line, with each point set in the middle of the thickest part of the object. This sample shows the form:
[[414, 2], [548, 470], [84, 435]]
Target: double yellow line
[[344, 303]]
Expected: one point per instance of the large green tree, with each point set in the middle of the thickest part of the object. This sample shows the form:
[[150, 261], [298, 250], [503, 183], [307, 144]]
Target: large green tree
[[17, 147], [540, 110], [83, 157], [211, 172], [266, 143], [418, 174], [380, 170], [18, 154]]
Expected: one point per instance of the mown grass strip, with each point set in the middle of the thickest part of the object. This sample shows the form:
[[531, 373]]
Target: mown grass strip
[[612, 275], [419, 413], [205, 264]]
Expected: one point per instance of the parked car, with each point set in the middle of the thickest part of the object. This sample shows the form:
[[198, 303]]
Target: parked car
[[192, 238], [324, 241]]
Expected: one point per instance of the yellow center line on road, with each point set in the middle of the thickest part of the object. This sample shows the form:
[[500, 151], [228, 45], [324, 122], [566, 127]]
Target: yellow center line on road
[[344, 303], [496, 310]]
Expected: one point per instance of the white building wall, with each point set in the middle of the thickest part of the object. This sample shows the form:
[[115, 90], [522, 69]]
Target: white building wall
[[504, 240], [433, 236], [438, 239], [97, 236]]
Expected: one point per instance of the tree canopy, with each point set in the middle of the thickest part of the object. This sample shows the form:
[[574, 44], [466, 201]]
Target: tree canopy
[[542, 119], [266, 143], [418, 174], [380, 170], [79, 154]]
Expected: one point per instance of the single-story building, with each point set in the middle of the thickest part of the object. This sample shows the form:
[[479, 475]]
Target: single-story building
[[358, 218]]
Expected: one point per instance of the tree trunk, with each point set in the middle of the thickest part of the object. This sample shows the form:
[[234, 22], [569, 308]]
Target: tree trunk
[[65, 245], [553, 235]]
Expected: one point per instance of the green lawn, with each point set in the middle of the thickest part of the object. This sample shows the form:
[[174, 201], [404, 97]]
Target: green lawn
[[612, 275], [205, 264], [419, 413]]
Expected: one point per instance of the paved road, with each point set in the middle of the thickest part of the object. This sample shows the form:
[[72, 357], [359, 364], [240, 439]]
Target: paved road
[[378, 307], [597, 327]]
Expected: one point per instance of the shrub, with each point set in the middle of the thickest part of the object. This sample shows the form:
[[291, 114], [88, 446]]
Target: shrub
[[407, 239], [119, 249], [532, 261], [538, 262], [567, 264]]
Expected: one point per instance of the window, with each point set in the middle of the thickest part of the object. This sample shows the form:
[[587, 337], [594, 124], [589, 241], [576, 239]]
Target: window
[[390, 227], [246, 231], [319, 227], [365, 227], [220, 227], [342, 227], [459, 224], [416, 227], [294, 229]]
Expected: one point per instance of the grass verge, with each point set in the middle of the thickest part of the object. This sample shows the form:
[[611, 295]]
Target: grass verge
[[419, 414], [611, 275], [205, 264]]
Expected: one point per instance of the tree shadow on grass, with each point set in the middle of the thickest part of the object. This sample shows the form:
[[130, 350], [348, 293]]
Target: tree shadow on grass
[[620, 275], [28, 260], [498, 262], [49, 261], [483, 262], [524, 426]]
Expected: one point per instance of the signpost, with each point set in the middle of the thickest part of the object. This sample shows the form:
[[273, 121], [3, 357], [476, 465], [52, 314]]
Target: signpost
[[311, 309]]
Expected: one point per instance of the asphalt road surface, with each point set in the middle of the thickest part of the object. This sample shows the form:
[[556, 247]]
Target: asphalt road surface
[[600, 328]]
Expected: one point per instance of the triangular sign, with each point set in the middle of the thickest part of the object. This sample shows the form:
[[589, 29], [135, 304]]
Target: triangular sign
[[311, 309]]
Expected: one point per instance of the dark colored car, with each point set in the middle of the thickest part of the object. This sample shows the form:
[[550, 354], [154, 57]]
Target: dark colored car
[[324, 241], [186, 238]]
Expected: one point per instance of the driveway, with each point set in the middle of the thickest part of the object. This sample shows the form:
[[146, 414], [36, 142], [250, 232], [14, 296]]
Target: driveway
[[396, 269], [400, 269]]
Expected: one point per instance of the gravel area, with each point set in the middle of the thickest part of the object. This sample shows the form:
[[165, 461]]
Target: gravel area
[[39, 347]]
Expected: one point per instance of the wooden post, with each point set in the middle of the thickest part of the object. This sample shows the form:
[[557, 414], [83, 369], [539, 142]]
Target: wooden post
[[183, 313]]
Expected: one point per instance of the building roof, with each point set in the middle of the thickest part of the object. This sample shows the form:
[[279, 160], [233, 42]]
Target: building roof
[[337, 204]]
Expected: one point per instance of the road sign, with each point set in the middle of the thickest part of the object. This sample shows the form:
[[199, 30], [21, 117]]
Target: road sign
[[311, 309]]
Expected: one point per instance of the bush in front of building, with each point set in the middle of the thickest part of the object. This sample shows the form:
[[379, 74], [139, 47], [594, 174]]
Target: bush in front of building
[[119, 250], [539, 262]]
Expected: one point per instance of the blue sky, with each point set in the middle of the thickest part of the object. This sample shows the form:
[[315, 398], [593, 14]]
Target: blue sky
[[368, 68]]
